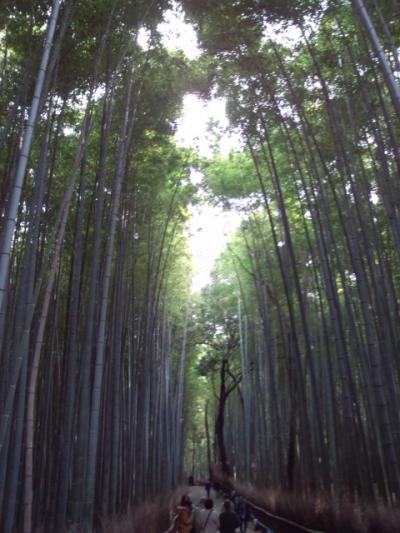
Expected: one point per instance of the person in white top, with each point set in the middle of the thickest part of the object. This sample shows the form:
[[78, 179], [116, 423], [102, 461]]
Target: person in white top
[[208, 518]]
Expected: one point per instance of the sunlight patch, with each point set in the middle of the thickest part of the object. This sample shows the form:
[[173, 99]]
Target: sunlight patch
[[178, 34]]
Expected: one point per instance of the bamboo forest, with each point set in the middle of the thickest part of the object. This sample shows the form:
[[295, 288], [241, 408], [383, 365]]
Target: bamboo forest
[[278, 376]]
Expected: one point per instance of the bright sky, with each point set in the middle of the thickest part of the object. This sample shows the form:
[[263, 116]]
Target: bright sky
[[192, 125], [209, 227], [177, 34]]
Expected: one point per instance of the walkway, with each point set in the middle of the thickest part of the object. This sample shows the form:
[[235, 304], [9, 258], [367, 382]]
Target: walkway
[[196, 492], [281, 523]]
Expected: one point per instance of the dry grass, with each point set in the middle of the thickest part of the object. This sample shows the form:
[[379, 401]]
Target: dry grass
[[323, 513], [148, 517]]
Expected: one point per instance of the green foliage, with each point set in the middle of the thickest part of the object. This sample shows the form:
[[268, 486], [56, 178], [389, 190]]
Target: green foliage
[[312, 272], [226, 27], [233, 176]]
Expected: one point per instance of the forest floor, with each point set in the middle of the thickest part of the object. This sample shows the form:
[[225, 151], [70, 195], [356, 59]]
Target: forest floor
[[198, 491]]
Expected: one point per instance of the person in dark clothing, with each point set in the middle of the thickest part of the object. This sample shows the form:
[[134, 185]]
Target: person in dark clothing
[[208, 488], [235, 501], [242, 509], [228, 520]]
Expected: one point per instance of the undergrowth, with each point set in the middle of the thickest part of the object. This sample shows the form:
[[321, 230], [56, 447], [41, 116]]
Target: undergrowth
[[148, 517], [322, 513]]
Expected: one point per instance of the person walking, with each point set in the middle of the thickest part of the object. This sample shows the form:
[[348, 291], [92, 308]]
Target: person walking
[[209, 520], [242, 509], [228, 520], [196, 510], [184, 516], [208, 488]]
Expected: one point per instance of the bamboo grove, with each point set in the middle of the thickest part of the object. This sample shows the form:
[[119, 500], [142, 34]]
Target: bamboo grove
[[94, 194], [311, 276], [292, 350]]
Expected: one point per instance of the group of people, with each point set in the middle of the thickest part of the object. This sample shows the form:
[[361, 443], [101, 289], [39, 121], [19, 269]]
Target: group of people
[[189, 518], [204, 519]]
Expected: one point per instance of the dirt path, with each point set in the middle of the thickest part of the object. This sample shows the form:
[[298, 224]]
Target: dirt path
[[198, 492]]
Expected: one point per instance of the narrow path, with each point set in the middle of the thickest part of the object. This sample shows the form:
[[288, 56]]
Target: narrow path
[[196, 492]]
